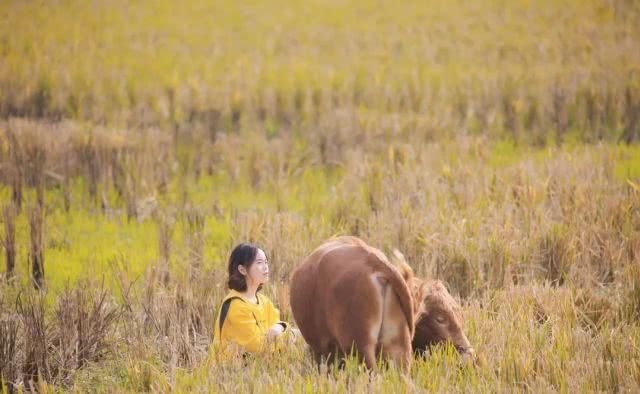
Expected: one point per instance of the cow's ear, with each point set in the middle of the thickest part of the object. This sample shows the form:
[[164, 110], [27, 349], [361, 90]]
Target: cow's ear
[[419, 296], [403, 267]]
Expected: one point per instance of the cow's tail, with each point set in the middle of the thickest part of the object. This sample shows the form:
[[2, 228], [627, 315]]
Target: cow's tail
[[399, 285]]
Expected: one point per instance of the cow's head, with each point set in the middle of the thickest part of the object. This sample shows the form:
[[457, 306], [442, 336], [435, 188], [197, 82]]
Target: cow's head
[[438, 316], [440, 321]]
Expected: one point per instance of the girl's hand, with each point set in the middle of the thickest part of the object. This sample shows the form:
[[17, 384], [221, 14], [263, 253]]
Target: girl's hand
[[275, 330]]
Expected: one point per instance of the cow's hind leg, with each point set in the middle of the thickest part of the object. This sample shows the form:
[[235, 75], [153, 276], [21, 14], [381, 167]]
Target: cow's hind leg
[[360, 325], [368, 355], [360, 345]]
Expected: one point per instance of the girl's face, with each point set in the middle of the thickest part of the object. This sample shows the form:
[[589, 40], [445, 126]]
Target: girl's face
[[259, 271]]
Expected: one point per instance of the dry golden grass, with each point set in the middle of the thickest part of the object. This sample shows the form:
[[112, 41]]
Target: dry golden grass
[[541, 246]]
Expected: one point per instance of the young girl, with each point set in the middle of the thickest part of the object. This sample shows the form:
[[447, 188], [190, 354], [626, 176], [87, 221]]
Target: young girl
[[247, 320]]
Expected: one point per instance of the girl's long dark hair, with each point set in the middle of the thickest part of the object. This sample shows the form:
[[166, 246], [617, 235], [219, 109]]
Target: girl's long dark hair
[[243, 254]]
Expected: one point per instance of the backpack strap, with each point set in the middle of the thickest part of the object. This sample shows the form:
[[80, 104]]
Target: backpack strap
[[224, 310]]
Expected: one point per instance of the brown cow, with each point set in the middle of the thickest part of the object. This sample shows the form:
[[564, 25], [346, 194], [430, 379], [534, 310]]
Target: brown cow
[[347, 295]]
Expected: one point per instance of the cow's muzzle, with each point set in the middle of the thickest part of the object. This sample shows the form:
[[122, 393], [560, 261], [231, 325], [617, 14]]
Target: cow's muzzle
[[468, 354]]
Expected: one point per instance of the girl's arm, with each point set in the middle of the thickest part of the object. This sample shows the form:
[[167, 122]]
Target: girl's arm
[[274, 321]]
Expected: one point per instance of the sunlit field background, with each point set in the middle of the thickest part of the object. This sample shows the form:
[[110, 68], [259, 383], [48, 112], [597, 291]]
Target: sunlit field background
[[494, 143]]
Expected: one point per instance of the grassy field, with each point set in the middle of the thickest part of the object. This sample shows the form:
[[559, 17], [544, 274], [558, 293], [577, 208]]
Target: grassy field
[[494, 144]]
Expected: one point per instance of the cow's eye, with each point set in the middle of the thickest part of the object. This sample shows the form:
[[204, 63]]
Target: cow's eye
[[441, 319]]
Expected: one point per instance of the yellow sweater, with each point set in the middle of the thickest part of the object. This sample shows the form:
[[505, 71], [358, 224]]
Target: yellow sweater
[[245, 324]]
